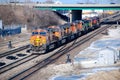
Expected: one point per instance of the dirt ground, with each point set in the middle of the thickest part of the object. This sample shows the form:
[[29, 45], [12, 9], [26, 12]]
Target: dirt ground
[[78, 49], [60, 68], [16, 40], [105, 75], [45, 73]]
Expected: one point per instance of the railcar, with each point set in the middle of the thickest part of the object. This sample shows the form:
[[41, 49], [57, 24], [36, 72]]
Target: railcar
[[95, 22], [45, 40], [54, 36], [65, 32], [38, 41]]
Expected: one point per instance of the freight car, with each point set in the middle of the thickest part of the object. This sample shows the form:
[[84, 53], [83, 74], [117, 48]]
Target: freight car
[[45, 40]]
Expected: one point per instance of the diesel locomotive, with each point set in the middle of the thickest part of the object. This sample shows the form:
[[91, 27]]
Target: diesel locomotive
[[45, 40]]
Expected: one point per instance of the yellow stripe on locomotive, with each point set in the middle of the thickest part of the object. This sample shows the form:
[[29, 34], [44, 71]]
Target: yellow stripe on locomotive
[[38, 38]]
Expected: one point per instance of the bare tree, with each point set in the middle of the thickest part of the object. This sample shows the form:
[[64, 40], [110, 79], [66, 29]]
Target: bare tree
[[25, 15]]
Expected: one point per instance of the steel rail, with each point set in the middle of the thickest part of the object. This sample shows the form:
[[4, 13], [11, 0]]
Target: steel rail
[[28, 72]]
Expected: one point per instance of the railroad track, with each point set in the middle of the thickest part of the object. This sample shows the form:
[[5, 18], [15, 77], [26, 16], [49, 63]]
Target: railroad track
[[13, 51], [28, 72], [13, 42], [20, 62], [16, 63]]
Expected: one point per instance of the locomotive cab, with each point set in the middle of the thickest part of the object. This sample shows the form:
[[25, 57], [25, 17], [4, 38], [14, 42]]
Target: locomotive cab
[[73, 28], [79, 25], [38, 41], [95, 22], [54, 33], [54, 37], [88, 24], [65, 29]]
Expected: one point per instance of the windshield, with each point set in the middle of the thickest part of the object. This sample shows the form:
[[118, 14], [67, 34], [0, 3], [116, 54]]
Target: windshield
[[34, 33], [53, 29], [43, 33]]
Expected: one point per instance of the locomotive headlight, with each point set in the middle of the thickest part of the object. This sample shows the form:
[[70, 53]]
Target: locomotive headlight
[[38, 37], [40, 43], [44, 41], [32, 41]]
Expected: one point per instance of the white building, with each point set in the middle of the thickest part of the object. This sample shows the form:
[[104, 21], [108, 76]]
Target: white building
[[107, 56], [0, 24], [57, 2]]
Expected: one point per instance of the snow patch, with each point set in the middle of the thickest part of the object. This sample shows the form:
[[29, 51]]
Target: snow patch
[[89, 58], [63, 68], [115, 33], [106, 43]]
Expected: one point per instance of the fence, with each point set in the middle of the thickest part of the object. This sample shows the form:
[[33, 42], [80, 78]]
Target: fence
[[10, 30]]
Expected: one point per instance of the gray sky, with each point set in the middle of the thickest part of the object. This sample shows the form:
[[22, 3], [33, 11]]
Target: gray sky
[[84, 1], [75, 1]]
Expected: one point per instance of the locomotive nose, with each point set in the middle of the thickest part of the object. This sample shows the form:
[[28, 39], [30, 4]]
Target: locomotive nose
[[57, 34], [38, 41]]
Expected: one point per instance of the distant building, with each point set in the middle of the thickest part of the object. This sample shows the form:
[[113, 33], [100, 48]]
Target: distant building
[[57, 2], [112, 3], [1, 24], [108, 56], [49, 2]]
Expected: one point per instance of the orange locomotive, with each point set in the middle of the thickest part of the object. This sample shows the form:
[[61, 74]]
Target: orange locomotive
[[38, 41], [80, 27], [45, 40], [54, 33]]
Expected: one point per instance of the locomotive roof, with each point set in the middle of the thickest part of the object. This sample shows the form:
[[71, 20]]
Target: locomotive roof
[[66, 25], [53, 27], [77, 21], [39, 30]]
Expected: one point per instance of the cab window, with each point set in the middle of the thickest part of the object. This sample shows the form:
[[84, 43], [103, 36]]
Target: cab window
[[50, 29], [43, 33], [34, 33], [53, 29], [56, 29]]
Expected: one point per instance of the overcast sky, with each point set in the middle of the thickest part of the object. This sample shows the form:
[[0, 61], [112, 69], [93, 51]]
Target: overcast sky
[[74, 1], [84, 1]]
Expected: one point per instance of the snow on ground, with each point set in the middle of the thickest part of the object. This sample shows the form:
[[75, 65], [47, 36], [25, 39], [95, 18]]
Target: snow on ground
[[97, 53], [81, 75], [106, 43], [88, 58], [105, 75], [115, 33]]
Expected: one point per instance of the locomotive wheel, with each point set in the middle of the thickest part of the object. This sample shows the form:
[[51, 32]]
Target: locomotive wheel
[[28, 51], [79, 34]]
